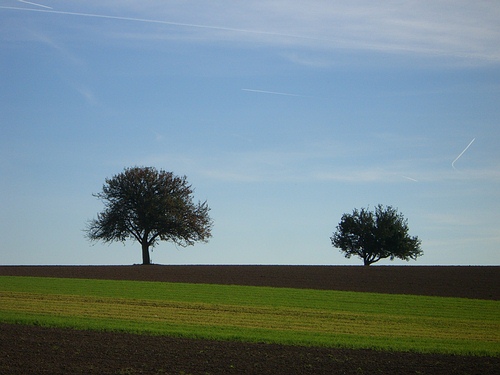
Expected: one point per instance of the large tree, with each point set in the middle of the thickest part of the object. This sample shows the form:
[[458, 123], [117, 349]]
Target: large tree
[[148, 205], [376, 235]]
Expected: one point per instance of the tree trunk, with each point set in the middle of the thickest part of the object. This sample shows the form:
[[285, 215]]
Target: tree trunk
[[146, 260], [366, 260]]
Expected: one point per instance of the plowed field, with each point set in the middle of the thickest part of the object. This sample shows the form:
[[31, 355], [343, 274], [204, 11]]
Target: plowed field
[[38, 350]]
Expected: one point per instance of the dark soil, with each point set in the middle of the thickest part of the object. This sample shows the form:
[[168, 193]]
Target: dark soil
[[464, 282], [39, 350]]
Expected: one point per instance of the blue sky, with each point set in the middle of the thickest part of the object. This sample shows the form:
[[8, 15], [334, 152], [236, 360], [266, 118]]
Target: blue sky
[[283, 115]]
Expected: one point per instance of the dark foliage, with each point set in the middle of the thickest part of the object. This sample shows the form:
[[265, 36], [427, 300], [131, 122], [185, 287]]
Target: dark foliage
[[148, 205], [376, 235]]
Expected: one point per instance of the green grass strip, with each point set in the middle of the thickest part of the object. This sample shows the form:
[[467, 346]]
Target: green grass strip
[[257, 314]]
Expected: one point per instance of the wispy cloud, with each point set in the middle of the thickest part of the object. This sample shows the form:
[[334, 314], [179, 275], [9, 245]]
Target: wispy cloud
[[86, 93], [64, 52], [443, 219], [460, 30], [325, 162], [67, 56]]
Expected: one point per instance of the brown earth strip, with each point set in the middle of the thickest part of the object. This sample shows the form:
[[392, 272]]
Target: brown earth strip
[[38, 350], [482, 282]]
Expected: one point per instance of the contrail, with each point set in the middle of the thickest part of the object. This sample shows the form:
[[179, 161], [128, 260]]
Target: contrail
[[38, 5], [458, 157], [409, 178], [273, 92], [232, 29]]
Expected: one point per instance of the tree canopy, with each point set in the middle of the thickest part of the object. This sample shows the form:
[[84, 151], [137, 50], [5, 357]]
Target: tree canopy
[[147, 205], [376, 235]]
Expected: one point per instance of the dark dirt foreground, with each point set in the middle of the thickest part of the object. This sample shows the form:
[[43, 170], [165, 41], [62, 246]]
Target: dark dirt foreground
[[39, 350]]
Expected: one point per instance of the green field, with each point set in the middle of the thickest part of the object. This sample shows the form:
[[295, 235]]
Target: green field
[[257, 314]]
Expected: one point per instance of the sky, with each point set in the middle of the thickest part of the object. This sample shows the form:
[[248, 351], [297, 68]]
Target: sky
[[282, 114]]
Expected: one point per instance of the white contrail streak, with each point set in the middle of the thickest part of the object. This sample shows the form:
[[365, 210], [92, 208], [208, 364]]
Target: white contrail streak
[[272, 92], [409, 178], [180, 24], [38, 5], [458, 157]]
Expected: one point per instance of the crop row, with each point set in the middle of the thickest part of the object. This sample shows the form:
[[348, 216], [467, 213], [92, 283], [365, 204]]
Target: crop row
[[187, 311]]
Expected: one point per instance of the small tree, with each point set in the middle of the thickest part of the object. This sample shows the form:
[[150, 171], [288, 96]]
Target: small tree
[[147, 205], [376, 235]]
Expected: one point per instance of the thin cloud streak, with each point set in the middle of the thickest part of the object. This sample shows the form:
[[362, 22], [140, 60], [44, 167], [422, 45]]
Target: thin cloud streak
[[273, 92], [459, 156], [170, 23], [38, 5], [319, 163], [232, 172], [409, 178], [469, 36]]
